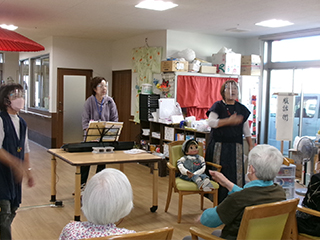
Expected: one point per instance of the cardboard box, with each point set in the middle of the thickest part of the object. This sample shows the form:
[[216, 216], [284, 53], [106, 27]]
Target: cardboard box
[[208, 69], [174, 66], [251, 65], [227, 63], [251, 60], [252, 70], [299, 171]]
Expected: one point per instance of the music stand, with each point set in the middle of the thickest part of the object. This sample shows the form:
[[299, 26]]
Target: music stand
[[102, 131]]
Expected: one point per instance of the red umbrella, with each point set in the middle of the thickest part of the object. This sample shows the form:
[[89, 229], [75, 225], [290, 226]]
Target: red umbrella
[[15, 42]]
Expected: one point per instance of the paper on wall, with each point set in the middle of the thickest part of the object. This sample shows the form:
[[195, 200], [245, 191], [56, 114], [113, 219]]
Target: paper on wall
[[284, 116]]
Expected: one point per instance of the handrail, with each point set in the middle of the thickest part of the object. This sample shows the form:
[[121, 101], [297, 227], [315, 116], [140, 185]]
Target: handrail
[[35, 113]]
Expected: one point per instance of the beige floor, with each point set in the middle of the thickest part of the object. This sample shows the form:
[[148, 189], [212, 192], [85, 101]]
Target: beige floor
[[37, 219]]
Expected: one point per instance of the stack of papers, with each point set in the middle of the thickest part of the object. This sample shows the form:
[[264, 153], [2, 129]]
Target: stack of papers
[[134, 151]]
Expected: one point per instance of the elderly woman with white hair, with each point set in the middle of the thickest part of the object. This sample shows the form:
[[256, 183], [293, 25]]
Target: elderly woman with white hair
[[264, 162], [106, 200]]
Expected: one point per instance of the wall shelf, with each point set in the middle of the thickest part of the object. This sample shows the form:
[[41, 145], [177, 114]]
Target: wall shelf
[[169, 133]]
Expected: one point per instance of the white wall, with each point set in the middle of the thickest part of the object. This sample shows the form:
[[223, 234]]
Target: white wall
[[253, 46], [74, 53], [122, 54], [122, 49], [204, 45], [104, 57], [81, 54], [11, 66]]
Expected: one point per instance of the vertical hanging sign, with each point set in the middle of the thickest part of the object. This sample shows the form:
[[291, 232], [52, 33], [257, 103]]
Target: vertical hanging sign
[[284, 116]]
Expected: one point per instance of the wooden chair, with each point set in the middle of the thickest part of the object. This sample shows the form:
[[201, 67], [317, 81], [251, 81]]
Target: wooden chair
[[272, 221], [303, 236], [184, 187], [161, 234]]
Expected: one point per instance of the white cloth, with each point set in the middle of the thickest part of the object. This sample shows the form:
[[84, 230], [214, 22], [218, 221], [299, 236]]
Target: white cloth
[[213, 121]]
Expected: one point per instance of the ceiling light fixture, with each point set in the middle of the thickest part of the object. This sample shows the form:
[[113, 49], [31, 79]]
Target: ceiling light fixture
[[9, 27], [156, 5], [273, 23], [237, 30]]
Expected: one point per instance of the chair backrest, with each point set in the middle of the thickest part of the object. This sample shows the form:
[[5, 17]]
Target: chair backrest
[[161, 234], [268, 221], [175, 151]]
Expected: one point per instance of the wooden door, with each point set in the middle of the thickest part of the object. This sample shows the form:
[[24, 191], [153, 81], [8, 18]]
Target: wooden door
[[121, 94]]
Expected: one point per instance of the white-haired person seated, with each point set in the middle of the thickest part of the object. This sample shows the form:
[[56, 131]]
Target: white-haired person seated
[[264, 162], [106, 199]]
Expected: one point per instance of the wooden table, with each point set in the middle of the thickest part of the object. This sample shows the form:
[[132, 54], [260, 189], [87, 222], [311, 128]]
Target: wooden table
[[79, 159]]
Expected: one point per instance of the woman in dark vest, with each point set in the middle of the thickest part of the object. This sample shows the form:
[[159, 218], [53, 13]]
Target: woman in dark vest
[[228, 121], [14, 155]]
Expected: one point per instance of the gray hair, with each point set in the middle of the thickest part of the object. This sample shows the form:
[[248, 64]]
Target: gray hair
[[266, 160], [107, 197]]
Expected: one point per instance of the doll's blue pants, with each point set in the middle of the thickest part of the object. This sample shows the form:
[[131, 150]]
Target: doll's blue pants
[[194, 177]]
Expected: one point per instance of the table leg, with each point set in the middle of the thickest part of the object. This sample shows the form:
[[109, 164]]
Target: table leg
[[77, 194], [155, 188], [53, 179]]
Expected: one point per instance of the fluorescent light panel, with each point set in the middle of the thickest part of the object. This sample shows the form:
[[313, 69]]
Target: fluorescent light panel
[[9, 27], [273, 23], [156, 5]]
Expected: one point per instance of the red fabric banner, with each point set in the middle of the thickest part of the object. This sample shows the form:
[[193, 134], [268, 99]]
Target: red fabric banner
[[198, 94]]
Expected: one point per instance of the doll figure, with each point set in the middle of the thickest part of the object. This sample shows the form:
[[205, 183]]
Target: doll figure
[[192, 166]]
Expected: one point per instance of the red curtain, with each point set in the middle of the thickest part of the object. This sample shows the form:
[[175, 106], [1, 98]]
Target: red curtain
[[197, 94]]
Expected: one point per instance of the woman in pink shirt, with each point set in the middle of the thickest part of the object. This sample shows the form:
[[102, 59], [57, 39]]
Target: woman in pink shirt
[[106, 199]]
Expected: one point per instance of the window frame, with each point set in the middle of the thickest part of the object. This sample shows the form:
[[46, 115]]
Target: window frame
[[32, 88], [28, 86], [268, 67]]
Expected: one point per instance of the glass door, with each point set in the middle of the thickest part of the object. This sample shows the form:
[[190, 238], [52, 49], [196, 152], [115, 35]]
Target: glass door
[[306, 84]]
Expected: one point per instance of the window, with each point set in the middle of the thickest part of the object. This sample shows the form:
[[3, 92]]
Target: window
[[249, 89], [39, 83], [24, 77], [296, 49], [292, 66]]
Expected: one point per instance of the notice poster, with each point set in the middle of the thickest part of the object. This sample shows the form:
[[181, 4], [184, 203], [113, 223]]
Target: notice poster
[[284, 116]]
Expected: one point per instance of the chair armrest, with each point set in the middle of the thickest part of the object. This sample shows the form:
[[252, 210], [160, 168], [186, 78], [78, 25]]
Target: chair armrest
[[309, 211], [196, 232], [217, 166], [171, 167]]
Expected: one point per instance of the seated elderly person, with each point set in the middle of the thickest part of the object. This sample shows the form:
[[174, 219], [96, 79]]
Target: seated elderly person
[[106, 199], [307, 223], [264, 162]]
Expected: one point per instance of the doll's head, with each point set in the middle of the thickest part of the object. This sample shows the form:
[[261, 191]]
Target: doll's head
[[190, 147]]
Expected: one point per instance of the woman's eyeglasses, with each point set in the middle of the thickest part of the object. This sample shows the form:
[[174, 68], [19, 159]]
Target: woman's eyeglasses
[[16, 94], [102, 86]]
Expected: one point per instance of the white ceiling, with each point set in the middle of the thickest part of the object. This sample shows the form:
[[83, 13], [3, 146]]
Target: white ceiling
[[118, 19]]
